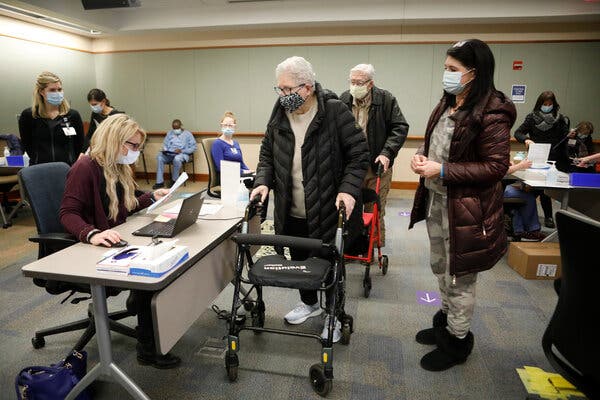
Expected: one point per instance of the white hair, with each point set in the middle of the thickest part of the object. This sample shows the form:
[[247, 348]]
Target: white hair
[[366, 69], [300, 70]]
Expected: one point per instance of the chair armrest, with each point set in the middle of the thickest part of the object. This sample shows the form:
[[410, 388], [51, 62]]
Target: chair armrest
[[65, 239]]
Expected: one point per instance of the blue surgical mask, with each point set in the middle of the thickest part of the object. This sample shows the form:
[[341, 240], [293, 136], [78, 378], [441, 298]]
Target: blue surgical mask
[[177, 131], [547, 109], [97, 108], [130, 158], [451, 82], [227, 131], [55, 98]]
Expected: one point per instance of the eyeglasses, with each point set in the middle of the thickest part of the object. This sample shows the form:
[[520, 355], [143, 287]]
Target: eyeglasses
[[134, 146], [358, 83], [286, 90]]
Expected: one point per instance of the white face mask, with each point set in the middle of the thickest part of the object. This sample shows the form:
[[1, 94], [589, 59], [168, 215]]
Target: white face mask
[[359, 92], [177, 131], [97, 108], [451, 82], [130, 158]]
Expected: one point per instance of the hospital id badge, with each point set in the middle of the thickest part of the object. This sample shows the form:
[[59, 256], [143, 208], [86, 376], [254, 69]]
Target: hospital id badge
[[69, 131], [572, 142]]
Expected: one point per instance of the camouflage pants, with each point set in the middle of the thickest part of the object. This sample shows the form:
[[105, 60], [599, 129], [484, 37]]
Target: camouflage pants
[[458, 293], [370, 182]]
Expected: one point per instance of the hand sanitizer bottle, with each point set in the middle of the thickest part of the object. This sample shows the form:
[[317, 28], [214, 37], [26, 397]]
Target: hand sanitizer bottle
[[25, 159], [6, 151], [552, 174]]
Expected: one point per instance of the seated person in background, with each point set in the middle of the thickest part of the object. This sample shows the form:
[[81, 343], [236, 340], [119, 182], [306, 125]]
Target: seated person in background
[[525, 219], [580, 145], [100, 192], [177, 147], [225, 148]]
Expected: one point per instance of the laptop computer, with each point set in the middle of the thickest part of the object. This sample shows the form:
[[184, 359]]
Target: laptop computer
[[188, 214]]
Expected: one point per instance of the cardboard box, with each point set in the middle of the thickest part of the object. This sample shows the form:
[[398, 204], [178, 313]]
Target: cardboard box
[[535, 260]]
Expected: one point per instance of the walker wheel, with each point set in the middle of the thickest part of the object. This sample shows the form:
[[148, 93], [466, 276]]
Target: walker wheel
[[231, 365], [232, 373], [367, 286], [38, 343], [384, 264], [346, 332], [320, 384]]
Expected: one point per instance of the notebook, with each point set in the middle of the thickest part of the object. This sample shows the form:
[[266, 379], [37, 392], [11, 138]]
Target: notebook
[[188, 214]]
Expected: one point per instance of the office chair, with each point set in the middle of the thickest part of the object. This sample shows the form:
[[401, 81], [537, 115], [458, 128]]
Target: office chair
[[44, 187], [570, 341], [214, 178], [191, 161]]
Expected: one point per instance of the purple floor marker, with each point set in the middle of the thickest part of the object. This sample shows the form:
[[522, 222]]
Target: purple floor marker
[[404, 213], [429, 298]]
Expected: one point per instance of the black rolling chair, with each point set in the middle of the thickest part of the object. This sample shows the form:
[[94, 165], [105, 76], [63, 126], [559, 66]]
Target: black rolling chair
[[570, 341], [44, 187], [214, 178]]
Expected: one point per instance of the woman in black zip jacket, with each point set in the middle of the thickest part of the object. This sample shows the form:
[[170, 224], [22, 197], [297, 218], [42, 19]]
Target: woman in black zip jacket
[[51, 130]]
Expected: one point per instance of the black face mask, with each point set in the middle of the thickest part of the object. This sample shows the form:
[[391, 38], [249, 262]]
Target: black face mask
[[291, 102]]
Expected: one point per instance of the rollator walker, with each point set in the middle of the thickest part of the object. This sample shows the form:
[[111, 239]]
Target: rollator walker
[[322, 272], [364, 249]]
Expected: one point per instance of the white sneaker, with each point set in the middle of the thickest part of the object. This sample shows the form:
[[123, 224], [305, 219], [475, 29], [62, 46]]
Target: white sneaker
[[337, 330], [302, 312]]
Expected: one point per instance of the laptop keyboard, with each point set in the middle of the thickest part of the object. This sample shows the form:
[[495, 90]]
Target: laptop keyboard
[[158, 228]]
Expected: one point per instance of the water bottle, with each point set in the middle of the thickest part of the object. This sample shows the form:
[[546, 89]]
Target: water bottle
[[25, 159], [6, 151], [552, 174], [243, 196]]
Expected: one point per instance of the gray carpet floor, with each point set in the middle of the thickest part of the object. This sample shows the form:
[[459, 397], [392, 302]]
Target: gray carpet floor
[[381, 361]]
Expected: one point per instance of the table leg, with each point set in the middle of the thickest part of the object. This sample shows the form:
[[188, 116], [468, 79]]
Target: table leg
[[106, 365]]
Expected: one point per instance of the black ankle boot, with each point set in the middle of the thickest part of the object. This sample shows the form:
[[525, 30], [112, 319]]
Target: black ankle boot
[[427, 336], [451, 351], [149, 356]]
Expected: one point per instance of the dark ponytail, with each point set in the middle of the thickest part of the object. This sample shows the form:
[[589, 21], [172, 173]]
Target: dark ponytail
[[97, 95]]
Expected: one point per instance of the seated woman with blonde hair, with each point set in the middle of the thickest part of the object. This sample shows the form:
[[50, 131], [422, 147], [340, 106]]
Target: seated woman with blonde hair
[[100, 192]]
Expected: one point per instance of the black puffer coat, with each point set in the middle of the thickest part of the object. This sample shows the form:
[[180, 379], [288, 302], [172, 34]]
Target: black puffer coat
[[478, 160], [335, 159]]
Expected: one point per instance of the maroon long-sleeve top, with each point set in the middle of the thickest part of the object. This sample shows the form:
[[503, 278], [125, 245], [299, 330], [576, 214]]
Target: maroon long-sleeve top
[[82, 209]]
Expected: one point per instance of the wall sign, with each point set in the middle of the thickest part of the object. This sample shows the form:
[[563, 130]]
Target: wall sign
[[517, 65], [518, 93]]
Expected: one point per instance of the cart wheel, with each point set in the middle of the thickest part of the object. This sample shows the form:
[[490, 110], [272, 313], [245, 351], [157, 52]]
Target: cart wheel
[[367, 286], [346, 332], [38, 343], [231, 365], [320, 384], [248, 305], [384, 264], [6, 225]]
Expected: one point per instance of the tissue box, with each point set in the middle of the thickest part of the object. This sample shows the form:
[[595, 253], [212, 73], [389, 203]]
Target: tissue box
[[15, 161], [583, 179], [156, 267]]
